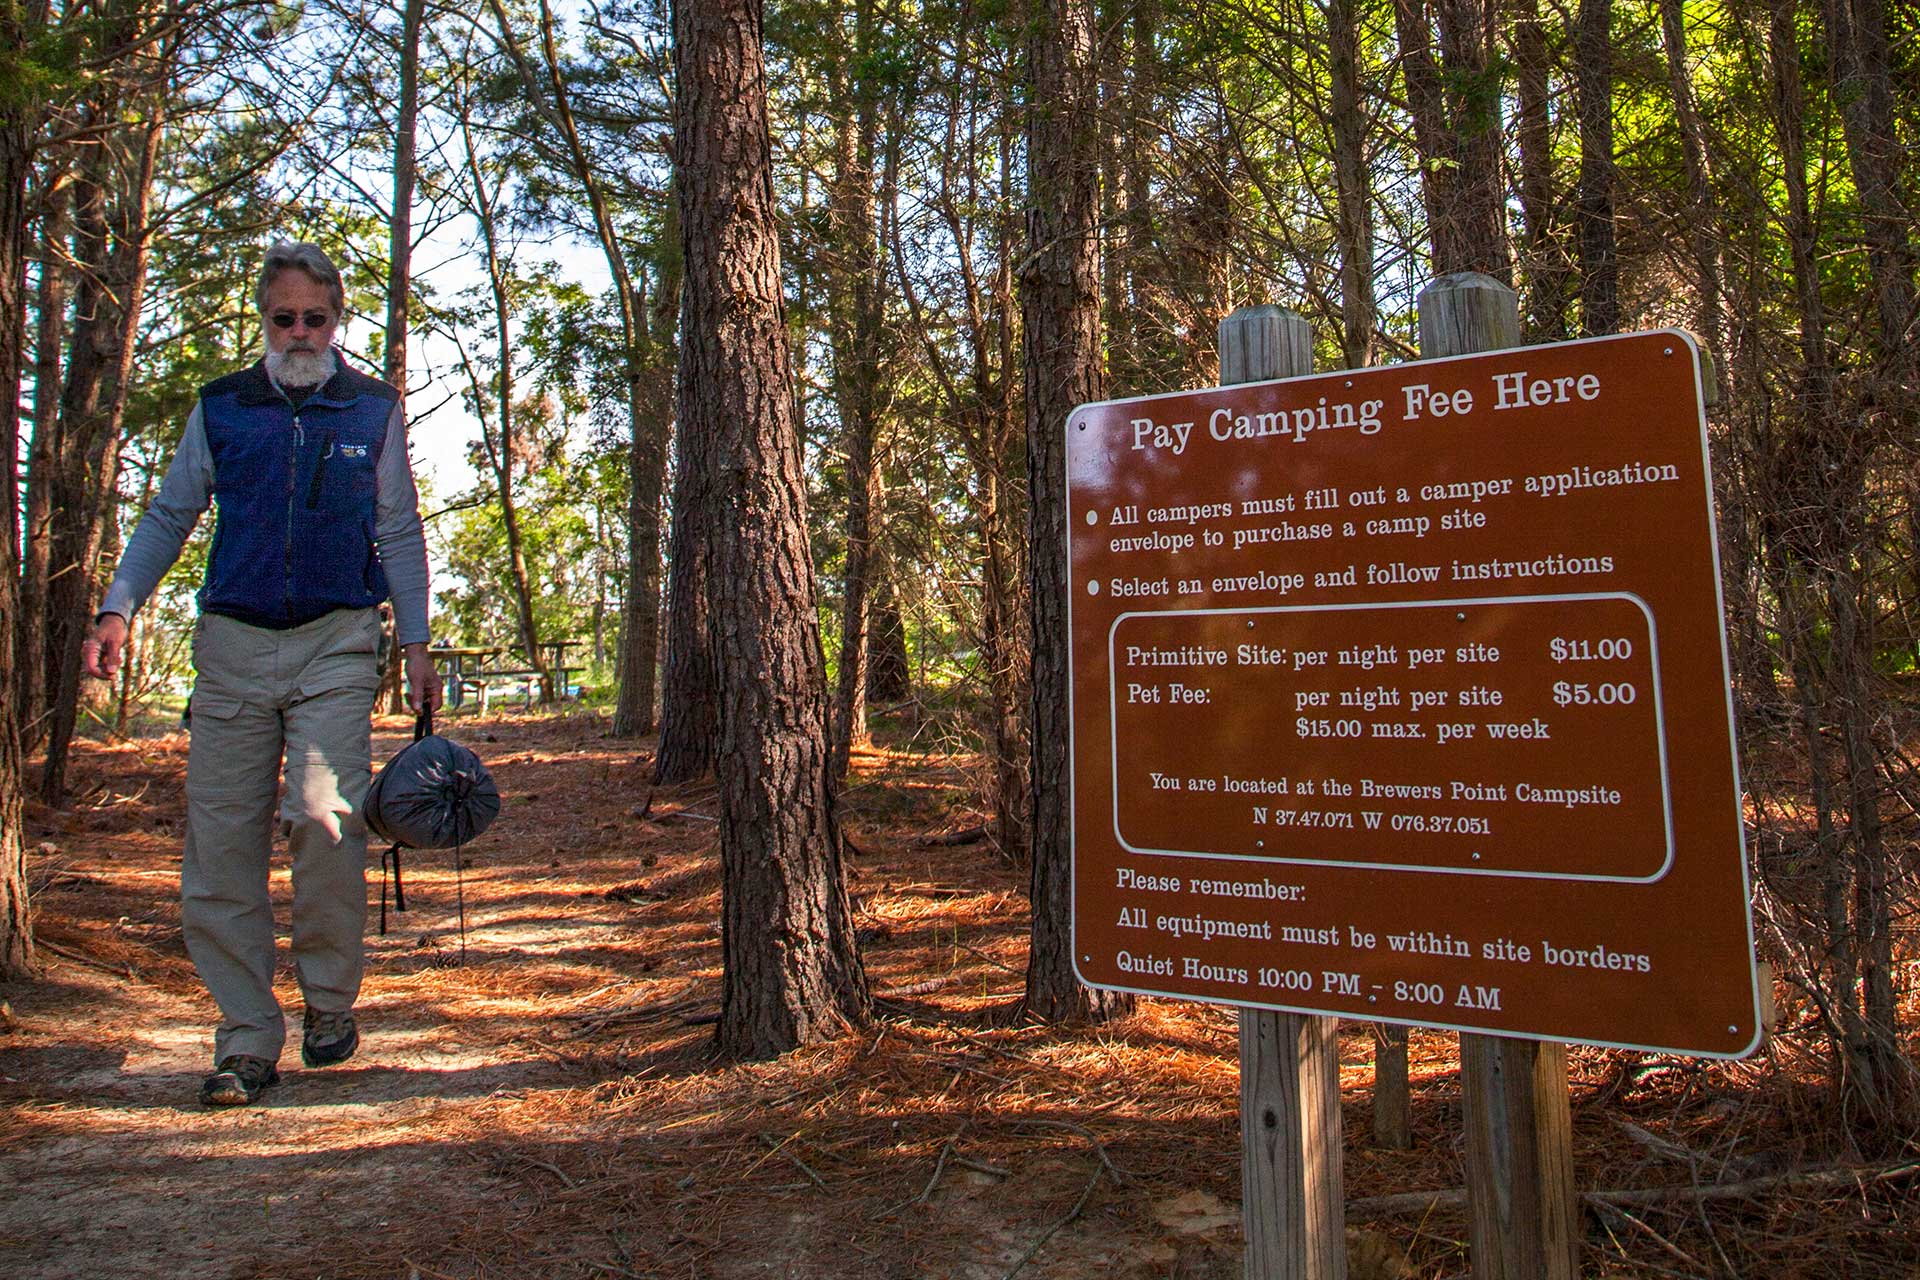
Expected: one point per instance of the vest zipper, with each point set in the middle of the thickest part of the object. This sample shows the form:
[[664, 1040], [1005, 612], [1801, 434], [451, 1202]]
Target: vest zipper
[[293, 479], [321, 452]]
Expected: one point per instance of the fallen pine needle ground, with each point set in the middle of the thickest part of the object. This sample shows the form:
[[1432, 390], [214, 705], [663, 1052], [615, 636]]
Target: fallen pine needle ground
[[551, 1107]]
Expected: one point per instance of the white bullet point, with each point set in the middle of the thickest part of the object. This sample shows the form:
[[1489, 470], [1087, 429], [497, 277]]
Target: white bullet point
[[1093, 588], [1093, 517]]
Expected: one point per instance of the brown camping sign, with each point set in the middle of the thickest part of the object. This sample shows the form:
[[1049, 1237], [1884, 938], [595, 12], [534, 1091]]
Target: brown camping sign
[[1402, 693]]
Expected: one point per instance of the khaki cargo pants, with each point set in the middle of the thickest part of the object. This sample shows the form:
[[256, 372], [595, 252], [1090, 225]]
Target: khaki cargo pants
[[306, 693]]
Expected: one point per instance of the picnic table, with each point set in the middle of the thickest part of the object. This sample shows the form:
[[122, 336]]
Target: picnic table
[[460, 661], [556, 653], [472, 670]]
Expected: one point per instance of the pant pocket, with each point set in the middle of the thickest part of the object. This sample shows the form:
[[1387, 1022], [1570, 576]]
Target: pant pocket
[[347, 659]]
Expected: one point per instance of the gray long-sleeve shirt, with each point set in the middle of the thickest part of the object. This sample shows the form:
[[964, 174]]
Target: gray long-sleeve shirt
[[187, 491]]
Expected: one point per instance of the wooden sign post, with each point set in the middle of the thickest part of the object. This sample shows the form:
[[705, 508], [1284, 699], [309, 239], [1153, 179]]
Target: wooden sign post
[[1520, 1196], [1291, 1193]]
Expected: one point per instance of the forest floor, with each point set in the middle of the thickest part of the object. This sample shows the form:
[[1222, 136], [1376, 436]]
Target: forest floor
[[549, 1106]]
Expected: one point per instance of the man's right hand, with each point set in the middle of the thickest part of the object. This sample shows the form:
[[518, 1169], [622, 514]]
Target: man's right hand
[[100, 653]]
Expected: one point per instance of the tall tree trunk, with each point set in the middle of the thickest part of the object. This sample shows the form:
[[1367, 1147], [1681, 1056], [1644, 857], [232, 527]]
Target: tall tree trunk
[[641, 633], [858, 304], [1115, 163], [889, 671], [850, 702], [688, 721], [50, 301], [1455, 104], [400, 257], [633, 714], [1473, 78], [1353, 229], [792, 972], [1060, 303], [689, 686], [1816, 517], [1878, 160], [400, 219], [18, 120], [1599, 258], [1544, 268], [112, 239], [1003, 549], [501, 455], [1142, 143]]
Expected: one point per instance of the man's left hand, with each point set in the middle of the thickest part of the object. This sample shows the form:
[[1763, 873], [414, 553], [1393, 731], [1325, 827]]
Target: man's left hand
[[423, 679]]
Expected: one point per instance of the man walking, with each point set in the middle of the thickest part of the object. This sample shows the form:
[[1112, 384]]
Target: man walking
[[318, 522]]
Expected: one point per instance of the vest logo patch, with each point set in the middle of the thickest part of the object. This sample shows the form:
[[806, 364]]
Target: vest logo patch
[[354, 450]]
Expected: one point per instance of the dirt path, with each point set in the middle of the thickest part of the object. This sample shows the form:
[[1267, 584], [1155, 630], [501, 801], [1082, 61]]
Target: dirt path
[[113, 1165], [548, 1108], [567, 1053]]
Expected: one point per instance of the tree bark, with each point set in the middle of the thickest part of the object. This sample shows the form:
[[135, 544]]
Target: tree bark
[[400, 220], [889, 671], [1353, 219], [1455, 105], [112, 239], [792, 973], [690, 685], [1544, 267], [17, 123], [687, 720], [1878, 159], [400, 259], [30, 657], [1060, 304], [1003, 551], [1599, 257], [857, 306], [640, 627]]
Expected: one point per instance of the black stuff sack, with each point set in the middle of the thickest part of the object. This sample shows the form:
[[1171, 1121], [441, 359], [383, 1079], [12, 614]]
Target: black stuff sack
[[435, 794]]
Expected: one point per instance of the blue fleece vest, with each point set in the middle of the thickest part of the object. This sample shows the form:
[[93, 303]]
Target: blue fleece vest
[[294, 534]]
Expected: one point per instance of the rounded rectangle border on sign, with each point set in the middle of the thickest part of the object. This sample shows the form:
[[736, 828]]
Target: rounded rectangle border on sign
[[1340, 823]]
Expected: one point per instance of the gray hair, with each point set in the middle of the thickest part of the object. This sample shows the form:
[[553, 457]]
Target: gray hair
[[308, 259]]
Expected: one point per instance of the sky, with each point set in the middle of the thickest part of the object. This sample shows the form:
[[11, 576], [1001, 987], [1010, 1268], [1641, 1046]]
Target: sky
[[442, 436]]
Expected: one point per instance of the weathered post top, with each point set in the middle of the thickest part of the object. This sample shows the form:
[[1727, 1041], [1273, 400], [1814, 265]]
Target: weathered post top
[[1467, 311], [1265, 341]]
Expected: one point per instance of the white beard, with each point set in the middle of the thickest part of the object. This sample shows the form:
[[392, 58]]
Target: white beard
[[300, 368]]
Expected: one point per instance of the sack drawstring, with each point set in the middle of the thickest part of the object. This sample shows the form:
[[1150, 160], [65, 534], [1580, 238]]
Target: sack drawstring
[[399, 889], [460, 896]]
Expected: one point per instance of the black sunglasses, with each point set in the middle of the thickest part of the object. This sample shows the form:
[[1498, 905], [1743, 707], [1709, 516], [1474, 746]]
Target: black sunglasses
[[313, 319]]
